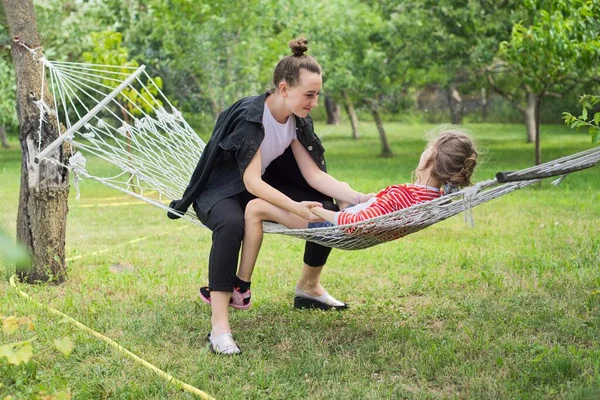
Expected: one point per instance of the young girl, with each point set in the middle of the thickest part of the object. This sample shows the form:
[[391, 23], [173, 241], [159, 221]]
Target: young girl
[[447, 162]]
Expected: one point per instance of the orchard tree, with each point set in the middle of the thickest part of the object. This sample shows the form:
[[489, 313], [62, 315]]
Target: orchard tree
[[215, 53], [589, 118], [42, 213], [66, 26], [557, 47], [338, 33], [393, 60], [460, 38]]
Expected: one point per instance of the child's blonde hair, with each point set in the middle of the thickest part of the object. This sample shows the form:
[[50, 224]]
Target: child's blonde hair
[[453, 157]]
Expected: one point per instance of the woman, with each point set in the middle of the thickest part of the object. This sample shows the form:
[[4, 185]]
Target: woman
[[263, 147]]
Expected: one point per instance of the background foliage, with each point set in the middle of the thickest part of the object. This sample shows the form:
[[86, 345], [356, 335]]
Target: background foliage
[[394, 53]]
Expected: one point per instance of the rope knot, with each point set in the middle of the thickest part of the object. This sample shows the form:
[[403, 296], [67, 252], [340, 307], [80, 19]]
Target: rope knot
[[468, 197]]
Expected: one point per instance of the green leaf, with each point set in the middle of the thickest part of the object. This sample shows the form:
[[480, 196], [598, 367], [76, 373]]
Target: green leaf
[[597, 118], [27, 321], [10, 325], [17, 354], [64, 345], [22, 355], [584, 114], [6, 350], [62, 396], [595, 136]]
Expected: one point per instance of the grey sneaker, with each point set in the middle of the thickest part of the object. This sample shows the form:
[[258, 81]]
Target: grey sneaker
[[223, 344]]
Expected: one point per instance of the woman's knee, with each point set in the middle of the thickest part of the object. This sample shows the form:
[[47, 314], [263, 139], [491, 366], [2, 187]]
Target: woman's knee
[[230, 226], [255, 209]]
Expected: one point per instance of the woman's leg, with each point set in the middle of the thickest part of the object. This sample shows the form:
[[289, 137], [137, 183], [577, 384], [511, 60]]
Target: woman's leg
[[257, 211], [315, 255], [226, 220]]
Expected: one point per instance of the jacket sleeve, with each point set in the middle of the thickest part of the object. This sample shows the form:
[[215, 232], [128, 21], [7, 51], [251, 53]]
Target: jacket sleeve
[[243, 144], [197, 181], [202, 171]]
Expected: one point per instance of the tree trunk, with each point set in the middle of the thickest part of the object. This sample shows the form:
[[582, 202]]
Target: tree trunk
[[352, 114], [538, 120], [484, 105], [42, 214], [456, 108], [333, 111], [530, 117], [3, 137], [215, 108], [386, 150]]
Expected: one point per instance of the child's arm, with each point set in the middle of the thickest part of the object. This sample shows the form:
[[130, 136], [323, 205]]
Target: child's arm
[[327, 215]]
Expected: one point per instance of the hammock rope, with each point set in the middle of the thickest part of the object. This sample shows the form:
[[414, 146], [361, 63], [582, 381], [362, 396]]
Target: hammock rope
[[119, 114]]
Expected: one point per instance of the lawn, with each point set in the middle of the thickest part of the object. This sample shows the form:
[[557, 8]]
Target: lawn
[[508, 309]]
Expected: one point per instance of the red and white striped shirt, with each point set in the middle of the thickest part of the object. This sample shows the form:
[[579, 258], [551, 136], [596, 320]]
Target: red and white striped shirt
[[390, 199]]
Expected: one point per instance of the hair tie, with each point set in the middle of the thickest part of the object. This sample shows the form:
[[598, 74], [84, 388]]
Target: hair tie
[[450, 188]]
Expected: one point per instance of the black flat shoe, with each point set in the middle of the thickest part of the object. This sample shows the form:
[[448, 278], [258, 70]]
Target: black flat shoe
[[304, 303]]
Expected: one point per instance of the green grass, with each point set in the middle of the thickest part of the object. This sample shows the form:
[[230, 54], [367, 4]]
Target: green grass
[[509, 309]]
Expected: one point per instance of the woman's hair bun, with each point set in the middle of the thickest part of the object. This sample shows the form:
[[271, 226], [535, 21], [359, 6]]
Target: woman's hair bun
[[299, 46]]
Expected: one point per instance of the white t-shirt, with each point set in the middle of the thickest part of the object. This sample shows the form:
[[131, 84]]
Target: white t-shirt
[[278, 137]]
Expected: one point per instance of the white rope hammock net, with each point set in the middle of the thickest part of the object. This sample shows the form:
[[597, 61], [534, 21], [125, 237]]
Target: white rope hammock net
[[120, 115]]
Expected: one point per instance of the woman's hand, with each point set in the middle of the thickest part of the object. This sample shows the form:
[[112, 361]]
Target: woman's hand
[[304, 208]]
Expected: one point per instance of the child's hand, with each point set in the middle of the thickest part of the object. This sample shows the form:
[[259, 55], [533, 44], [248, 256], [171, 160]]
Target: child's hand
[[305, 211]]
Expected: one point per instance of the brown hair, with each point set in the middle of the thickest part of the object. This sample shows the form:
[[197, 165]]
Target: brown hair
[[288, 68], [453, 157]]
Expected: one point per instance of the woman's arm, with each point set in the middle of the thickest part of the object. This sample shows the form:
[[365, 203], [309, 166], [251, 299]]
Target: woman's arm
[[255, 185], [322, 181]]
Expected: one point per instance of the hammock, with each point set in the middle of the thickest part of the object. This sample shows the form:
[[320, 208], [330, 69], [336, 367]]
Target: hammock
[[120, 115]]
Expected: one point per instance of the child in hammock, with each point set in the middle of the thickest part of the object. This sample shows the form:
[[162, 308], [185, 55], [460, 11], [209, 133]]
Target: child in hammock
[[445, 166]]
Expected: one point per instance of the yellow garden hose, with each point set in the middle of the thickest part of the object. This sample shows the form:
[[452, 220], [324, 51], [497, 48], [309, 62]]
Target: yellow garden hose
[[169, 378]]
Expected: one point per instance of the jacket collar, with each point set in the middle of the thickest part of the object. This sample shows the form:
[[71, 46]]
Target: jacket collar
[[257, 106]]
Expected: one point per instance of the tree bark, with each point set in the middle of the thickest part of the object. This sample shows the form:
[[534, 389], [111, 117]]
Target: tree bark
[[484, 104], [42, 213], [3, 137], [333, 111], [538, 120], [386, 150], [215, 108], [456, 108], [530, 117], [349, 106]]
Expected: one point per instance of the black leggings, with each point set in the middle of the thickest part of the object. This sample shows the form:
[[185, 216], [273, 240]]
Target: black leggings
[[226, 221]]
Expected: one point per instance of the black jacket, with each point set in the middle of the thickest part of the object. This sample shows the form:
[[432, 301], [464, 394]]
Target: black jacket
[[236, 138]]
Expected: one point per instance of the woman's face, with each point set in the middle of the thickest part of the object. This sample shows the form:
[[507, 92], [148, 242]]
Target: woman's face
[[303, 97]]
